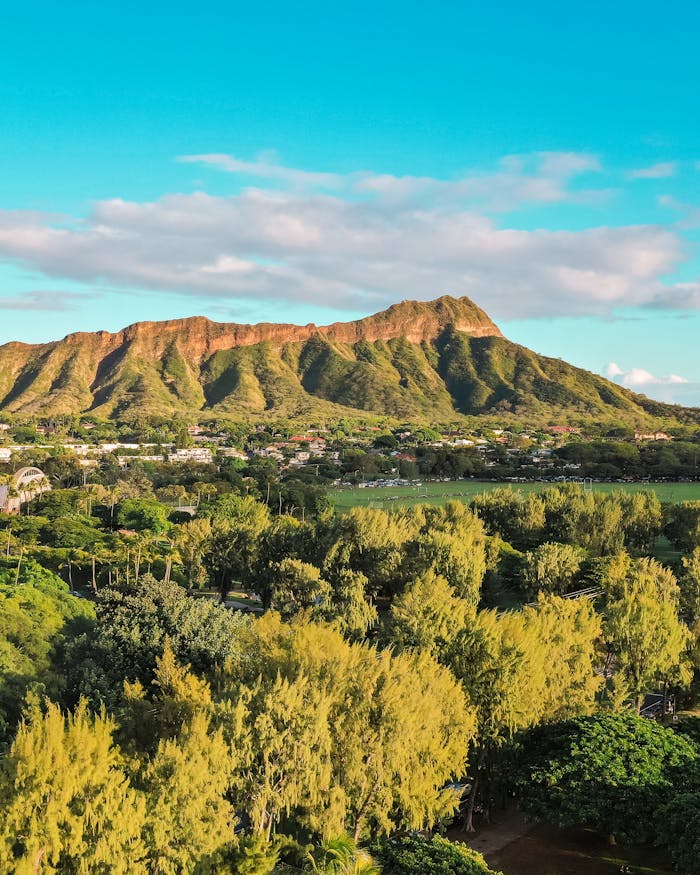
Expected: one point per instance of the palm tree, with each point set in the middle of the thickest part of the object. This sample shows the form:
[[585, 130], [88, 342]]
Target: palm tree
[[341, 856], [93, 493]]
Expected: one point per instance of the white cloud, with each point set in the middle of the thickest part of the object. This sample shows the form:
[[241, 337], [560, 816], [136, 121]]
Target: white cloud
[[45, 301], [517, 180], [662, 170], [373, 240], [264, 168], [671, 388], [637, 377], [690, 215], [679, 296]]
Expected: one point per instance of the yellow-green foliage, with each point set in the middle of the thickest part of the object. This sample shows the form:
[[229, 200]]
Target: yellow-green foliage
[[642, 626], [523, 668], [360, 731], [67, 804], [427, 614]]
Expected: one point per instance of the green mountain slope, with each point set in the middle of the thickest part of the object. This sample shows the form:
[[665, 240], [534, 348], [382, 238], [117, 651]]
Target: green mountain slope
[[413, 361]]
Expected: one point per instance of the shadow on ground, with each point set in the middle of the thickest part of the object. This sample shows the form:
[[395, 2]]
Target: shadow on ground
[[515, 847]]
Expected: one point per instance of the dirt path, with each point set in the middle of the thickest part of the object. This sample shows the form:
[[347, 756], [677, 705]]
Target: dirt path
[[508, 826], [548, 851]]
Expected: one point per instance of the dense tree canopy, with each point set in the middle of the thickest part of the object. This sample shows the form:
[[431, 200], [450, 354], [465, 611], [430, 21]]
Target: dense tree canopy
[[384, 657], [607, 772], [38, 618]]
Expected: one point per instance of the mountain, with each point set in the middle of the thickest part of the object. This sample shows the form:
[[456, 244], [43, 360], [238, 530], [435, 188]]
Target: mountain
[[412, 361]]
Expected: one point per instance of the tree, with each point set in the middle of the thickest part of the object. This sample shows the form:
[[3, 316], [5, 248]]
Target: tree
[[38, 618], [427, 615], [66, 803], [241, 509], [683, 525], [642, 519], [519, 669], [174, 494], [641, 626], [143, 514], [371, 738], [591, 520], [453, 541], [238, 524], [341, 856], [191, 541], [492, 659], [679, 827], [517, 518], [605, 772], [296, 587], [551, 568], [456, 558], [410, 854], [281, 727], [563, 638], [689, 583], [73, 532], [171, 702], [371, 542], [131, 631], [189, 821], [350, 609]]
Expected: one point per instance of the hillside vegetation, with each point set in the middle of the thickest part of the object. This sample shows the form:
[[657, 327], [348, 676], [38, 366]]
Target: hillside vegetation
[[413, 361]]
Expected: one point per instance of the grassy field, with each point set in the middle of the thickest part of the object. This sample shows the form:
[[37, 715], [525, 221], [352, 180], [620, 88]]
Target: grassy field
[[345, 498]]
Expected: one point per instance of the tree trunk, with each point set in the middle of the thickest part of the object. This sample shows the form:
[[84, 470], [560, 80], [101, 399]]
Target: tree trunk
[[664, 704], [19, 565], [38, 857], [94, 576], [356, 834], [360, 819], [469, 814]]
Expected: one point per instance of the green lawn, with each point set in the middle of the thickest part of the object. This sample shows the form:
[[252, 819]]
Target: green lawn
[[345, 498]]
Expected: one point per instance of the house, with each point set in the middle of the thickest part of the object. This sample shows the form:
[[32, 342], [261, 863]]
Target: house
[[652, 436], [233, 453], [203, 455], [563, 429]]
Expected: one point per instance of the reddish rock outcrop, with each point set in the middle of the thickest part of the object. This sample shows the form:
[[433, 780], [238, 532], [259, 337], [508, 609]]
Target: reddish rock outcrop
[[199, 337]]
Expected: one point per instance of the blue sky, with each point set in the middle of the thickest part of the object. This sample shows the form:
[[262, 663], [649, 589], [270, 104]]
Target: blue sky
[[314, 162]]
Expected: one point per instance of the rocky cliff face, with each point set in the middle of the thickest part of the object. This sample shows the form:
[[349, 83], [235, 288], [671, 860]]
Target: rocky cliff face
[[199, 337], [429, 360]]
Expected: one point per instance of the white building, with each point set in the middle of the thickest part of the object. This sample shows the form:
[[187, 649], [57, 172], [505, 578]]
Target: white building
[[192, 454], [26, 484]]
